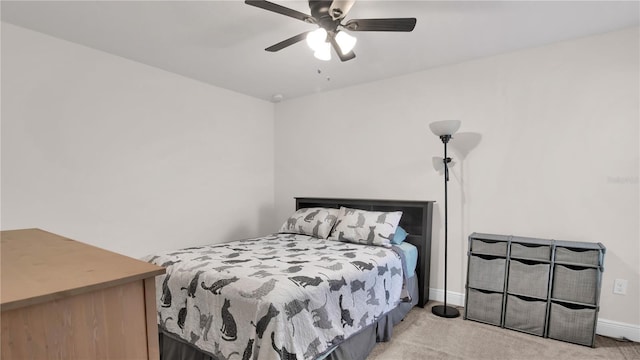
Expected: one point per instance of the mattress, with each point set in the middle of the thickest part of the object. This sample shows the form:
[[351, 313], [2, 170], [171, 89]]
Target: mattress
[[410, 253]]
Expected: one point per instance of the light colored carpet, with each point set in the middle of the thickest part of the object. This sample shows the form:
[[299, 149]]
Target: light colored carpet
[[423, 335]]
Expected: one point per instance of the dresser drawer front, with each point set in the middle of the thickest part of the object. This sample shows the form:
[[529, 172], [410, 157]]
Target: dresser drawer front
[[575, 284], [525, 315], [486, 273], [484, 306], [574, 325], [489, 247], [528, 279]]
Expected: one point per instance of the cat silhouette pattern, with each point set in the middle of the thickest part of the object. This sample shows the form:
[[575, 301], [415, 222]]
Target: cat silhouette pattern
[[248, 299]]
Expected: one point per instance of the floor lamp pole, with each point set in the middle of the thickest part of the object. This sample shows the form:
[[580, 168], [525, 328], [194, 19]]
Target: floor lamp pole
[[444, 310]]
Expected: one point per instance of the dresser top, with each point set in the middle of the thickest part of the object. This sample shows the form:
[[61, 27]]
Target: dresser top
[[39, 266]]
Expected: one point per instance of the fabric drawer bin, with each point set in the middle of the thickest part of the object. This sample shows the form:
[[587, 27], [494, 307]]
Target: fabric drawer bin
[[528, 279], [484, 306], [489, 247], [575, 324], [575, 284], [528, 251], [578, 256], [486, 273], [526, 315]]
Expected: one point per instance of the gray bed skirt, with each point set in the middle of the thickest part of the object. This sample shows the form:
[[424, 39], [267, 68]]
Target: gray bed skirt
[[356, 347]]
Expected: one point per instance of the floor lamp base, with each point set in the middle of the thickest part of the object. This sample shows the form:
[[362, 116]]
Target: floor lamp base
[[445, 311]]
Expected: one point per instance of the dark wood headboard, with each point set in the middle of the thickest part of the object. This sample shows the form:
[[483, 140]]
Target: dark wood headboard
[[416, 220]]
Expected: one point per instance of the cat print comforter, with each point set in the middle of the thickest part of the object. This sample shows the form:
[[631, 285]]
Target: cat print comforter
[[283, 296]]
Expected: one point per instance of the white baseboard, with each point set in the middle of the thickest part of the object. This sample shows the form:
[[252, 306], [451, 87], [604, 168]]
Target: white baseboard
[[453, 298], [604, 327], [618, 330]]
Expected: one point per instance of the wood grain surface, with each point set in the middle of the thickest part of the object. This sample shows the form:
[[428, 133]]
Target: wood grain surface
[[38, 266], [62, 299]]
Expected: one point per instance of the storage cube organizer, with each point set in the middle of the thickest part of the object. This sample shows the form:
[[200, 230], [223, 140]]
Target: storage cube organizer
[[552, 286]]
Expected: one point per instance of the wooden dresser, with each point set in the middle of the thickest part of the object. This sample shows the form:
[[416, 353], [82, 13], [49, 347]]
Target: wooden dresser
[[62, 299]]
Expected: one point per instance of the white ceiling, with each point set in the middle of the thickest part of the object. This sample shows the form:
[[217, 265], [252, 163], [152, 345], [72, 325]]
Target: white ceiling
[[222, 42]]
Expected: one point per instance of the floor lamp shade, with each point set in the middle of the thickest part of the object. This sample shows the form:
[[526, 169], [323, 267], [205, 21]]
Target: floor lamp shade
[[444, 129]]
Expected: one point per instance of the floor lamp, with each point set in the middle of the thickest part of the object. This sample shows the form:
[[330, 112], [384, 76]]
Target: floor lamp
[[445, 129]]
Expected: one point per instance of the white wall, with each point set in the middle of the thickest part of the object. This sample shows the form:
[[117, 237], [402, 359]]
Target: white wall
[[557, 155], [128, 157], [135, 159]]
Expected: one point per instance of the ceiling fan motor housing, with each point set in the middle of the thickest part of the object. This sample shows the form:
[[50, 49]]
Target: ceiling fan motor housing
[[320, 10]]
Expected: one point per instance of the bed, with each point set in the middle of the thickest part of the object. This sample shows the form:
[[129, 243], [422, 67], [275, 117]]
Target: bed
[[329, 285]]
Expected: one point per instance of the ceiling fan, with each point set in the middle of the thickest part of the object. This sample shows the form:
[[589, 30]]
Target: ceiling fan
[[328, 15]]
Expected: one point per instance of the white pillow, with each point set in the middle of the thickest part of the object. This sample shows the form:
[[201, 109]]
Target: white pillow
[[366, 227], [316, 222]]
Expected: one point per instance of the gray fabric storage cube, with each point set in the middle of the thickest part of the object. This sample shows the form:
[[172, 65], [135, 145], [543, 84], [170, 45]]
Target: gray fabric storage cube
[[528, 279], [539, 252], [486, 273], [525, 315], [484, 306], [488, 247], [575, 325], [578, 256], [575, 284]]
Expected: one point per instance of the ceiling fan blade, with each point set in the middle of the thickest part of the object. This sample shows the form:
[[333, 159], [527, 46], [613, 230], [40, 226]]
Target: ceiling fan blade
[[290, 41], [266, 5], [392, 24], [350, 55]]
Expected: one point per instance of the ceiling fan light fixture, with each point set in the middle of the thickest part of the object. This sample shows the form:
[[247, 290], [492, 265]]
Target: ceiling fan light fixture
[[317, 38], [329, 16], [346, 42], [323, 52]]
